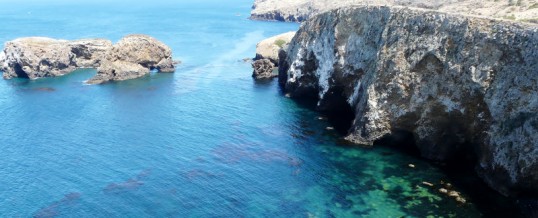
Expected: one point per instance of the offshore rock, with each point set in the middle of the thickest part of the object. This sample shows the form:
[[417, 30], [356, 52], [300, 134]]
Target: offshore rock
[[458, 85], [263, 69], [132, 57], [36, 57]]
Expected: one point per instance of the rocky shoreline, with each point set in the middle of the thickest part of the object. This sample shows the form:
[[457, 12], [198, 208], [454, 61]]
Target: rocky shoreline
[[132, 57], [458, 85]]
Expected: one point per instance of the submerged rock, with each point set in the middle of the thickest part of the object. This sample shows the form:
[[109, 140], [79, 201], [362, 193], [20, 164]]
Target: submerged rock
[[132, 57], [37, 57], [460, 85], [263, 69]]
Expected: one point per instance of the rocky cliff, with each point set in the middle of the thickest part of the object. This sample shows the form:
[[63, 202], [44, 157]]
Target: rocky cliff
[[132, 57], [301, 10], [458, 85]]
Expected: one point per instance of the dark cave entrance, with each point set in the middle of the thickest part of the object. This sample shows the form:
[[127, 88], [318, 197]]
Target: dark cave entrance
[[339, 112], [20, 73]]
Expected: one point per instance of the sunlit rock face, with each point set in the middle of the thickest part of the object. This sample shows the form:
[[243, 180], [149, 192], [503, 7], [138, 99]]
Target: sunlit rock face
[[302, 10], [132, 57], [459, 85]]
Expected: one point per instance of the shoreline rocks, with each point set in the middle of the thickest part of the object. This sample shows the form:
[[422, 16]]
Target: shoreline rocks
[[461, 86], [268, 48], [267, 55], [263, 69], [36, 57]]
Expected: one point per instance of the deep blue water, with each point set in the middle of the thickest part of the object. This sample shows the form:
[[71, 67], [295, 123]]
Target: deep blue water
[[206, 141]]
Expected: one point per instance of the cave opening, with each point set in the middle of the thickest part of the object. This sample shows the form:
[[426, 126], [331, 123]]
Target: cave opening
[[20, 73], [337, 109]]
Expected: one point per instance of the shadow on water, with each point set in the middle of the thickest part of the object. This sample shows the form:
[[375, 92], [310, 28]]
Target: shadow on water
[[54, 209]]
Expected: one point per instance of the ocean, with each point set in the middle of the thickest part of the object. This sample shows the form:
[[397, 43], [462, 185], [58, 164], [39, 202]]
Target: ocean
[[205, 141]]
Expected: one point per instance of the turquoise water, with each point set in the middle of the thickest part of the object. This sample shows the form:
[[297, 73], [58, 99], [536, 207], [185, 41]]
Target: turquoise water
[[206, 141]]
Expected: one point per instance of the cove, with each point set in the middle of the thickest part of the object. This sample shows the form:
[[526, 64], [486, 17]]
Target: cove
[[206, 141]]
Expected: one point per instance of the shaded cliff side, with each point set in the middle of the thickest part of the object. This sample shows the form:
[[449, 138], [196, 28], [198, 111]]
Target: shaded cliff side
[[458, 86]]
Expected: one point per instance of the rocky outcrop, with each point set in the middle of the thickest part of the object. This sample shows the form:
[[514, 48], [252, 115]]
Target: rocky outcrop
[[459, 85], [132, 57], [301, 10], [267, 52], [268, 48], [263, 69], [37, 57]]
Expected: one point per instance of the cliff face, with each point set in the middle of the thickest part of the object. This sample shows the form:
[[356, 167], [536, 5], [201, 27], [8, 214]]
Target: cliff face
[[458, 85], [301, 10]]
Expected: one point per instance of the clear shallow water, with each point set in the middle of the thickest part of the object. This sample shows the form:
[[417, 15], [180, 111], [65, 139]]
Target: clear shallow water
[[206, 141]]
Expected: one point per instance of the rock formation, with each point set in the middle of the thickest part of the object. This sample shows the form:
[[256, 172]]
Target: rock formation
[[267, 55], [37, 57], [459, 85], [301, 10], [132, 57], [268, 48], [263, 69]]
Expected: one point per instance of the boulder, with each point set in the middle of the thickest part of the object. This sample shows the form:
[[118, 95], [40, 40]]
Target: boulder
[[460, 86], [132, 57], [263, 69]]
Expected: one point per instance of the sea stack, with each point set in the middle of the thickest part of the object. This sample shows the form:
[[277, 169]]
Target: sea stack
[[36, 57], [132, 57], [267, 52]]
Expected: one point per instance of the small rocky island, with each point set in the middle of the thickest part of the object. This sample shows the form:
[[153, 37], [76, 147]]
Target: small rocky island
[[132, 57]]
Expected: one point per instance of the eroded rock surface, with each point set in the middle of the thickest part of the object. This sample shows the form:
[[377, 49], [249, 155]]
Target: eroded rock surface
[[37, 57], [132, 57], [263, 69], [459, 85]]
